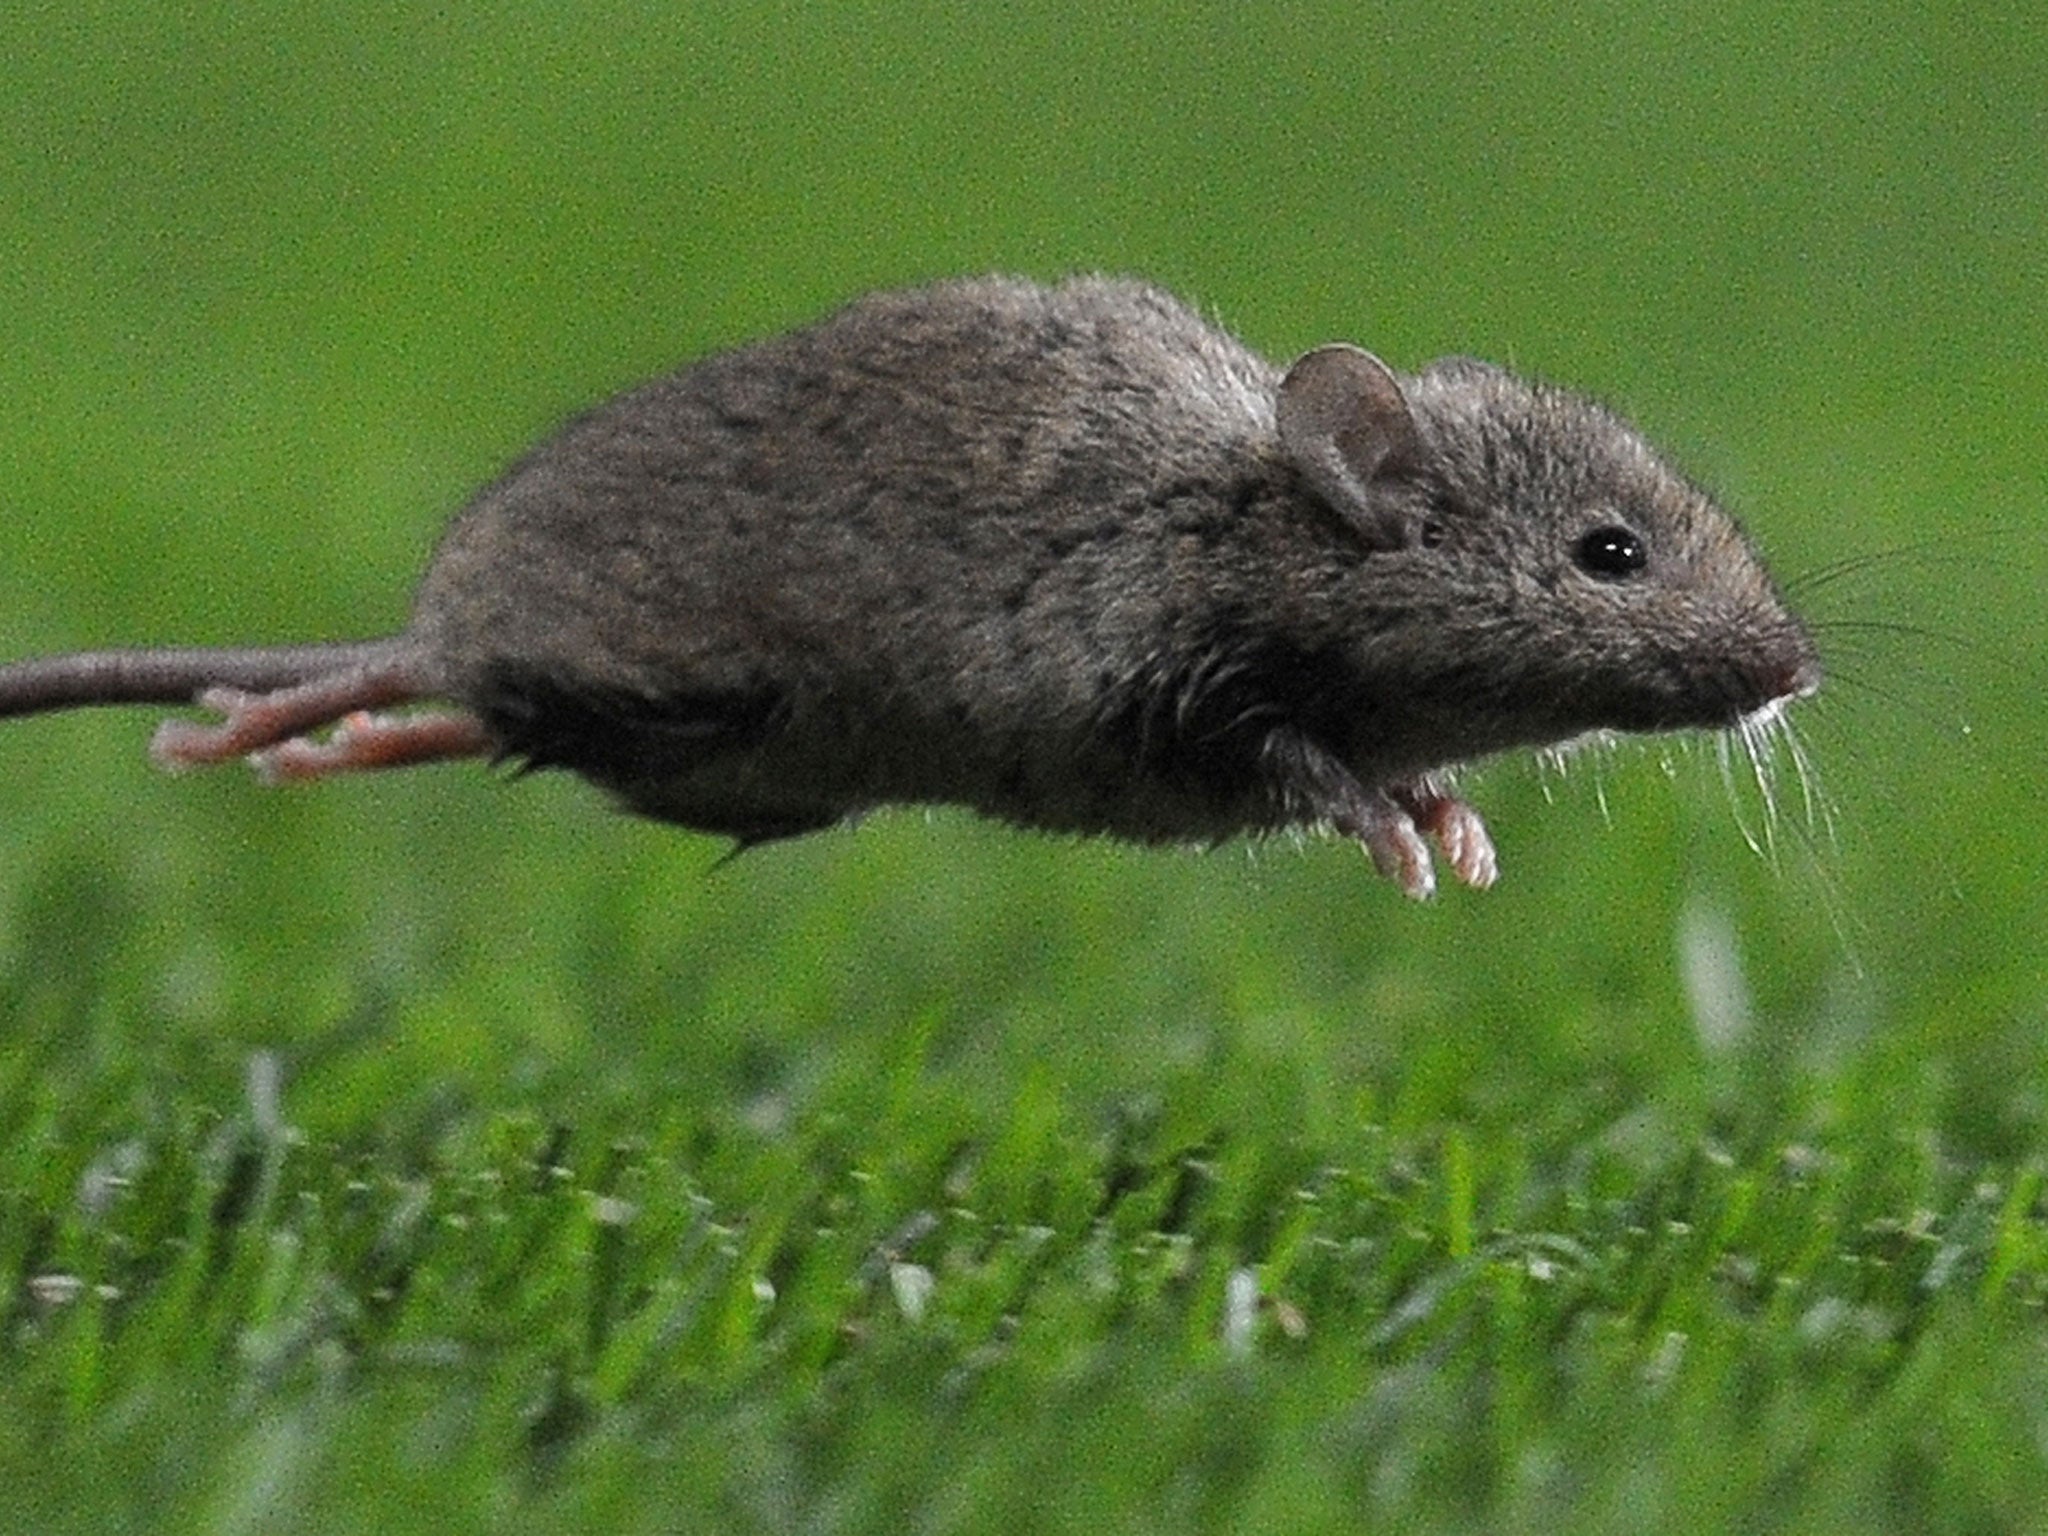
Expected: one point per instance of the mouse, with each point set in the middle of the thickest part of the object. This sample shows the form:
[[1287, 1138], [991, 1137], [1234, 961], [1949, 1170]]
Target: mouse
[[1069, 555]]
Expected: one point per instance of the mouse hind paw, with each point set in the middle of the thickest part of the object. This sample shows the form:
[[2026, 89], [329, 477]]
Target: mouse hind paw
[[364, 742], [253, 722]]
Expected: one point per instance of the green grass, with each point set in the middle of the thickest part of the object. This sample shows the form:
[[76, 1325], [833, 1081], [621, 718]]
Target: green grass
[[439, 1153], [693, 1305]]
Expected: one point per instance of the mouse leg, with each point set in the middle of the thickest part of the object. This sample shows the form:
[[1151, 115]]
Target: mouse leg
[[1456, 828], [1314, 783], [363, 742], [253, 721], [1388, 834]]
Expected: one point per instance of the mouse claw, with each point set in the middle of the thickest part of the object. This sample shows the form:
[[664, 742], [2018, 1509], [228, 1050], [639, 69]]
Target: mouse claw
[[1457, 829], [1388, 833], [224, 700], [181, 744], [364, 741]]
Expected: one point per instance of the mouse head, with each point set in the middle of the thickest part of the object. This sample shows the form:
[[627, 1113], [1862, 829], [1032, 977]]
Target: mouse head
[[1528, 562]]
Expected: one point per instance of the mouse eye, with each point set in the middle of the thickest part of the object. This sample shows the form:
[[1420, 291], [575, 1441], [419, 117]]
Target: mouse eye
[[1439, 509], [1611, 552]]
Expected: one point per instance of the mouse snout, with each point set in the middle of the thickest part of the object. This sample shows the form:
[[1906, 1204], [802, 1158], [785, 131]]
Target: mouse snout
[[1804, 682], [1774, 685], [1795, 679], [1769, 678]]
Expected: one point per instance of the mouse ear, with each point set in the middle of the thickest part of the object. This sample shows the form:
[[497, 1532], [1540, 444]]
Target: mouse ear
[[1344, 421]]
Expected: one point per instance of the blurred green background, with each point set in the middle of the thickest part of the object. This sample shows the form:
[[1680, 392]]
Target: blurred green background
[[279, 286]]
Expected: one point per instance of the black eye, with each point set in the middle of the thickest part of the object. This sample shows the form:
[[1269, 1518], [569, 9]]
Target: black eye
[[1611, 552], [1432, 533]]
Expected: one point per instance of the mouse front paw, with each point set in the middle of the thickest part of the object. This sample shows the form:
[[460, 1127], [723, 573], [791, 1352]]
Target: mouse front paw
[[1455, 826], [1387, 832], [1394, 822]]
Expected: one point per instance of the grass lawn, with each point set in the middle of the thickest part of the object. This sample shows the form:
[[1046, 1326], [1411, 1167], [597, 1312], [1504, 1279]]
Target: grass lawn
[[444, 1153]]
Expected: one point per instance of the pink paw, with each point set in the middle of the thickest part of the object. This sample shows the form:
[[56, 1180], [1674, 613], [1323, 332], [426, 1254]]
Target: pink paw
[[1397, 850], [1455, 826]]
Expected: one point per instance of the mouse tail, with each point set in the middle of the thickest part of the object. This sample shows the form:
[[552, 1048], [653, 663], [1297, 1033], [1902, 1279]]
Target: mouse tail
[[179, 674], [269, 698]]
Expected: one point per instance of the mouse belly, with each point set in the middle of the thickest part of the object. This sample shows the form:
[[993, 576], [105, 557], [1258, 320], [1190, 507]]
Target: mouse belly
[[758, 764], [776, 790]]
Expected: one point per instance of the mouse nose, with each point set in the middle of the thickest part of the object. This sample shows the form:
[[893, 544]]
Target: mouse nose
[[1801, 680], [1784, 663], [1765, 682]]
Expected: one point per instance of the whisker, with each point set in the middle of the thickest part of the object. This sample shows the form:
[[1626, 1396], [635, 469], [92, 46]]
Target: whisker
[[1755, 739], [1889, 662], [1812, 791], [1892, 627], [1724, 754], [1900, 702], [1938, 550], [1975, 647]]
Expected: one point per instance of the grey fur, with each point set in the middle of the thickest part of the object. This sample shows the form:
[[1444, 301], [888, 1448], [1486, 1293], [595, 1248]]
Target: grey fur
[[1046, 552]]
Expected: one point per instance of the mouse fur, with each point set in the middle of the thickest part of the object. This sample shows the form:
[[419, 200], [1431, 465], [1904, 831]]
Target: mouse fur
[[1070, 556]]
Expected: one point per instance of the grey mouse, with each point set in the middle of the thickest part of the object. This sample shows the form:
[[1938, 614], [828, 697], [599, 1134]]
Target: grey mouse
[[1070, 556]]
